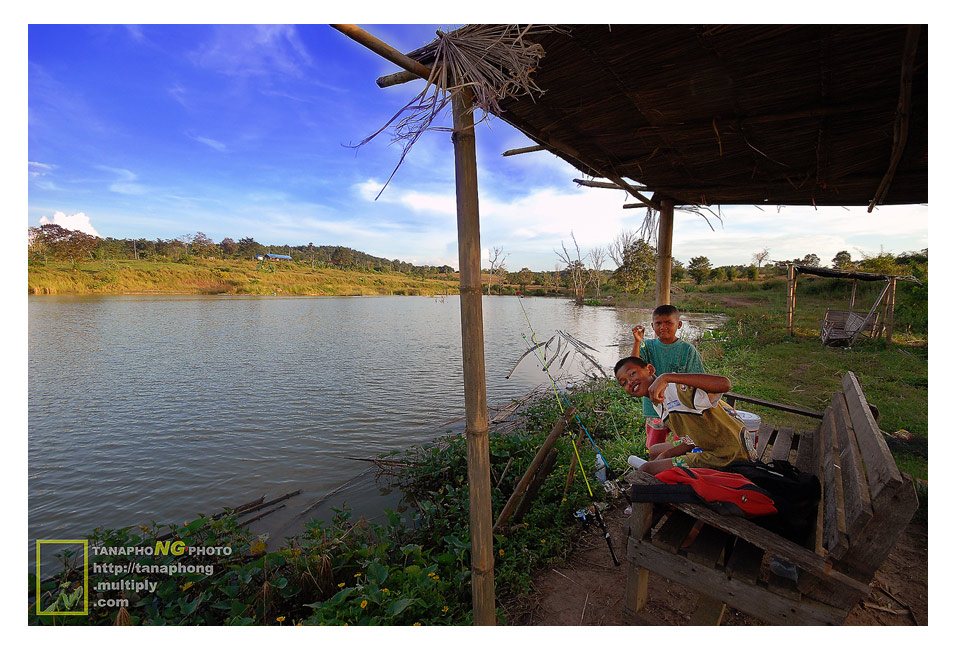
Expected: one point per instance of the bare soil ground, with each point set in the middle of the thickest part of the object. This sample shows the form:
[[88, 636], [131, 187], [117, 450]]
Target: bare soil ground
[[587, 589]]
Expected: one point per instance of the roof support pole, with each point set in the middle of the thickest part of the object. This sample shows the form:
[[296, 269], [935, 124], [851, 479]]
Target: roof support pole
[[473, 358], [889, 318], [792, 282], [666, 226]]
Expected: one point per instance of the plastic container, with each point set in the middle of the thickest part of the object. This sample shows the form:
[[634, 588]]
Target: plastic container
[[752, 423], [600, 467], [636, 462]]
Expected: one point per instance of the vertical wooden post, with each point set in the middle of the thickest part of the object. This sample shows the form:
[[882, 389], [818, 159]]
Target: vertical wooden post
[[853, 293], [666, 223], [792, 274], [473, 359], [889, 318]]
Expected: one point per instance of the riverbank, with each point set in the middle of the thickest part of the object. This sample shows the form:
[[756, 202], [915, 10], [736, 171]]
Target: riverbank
[[237, 277]]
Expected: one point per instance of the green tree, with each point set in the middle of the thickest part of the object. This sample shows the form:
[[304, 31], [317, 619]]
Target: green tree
[[752, 272], [678, 270], [638, 268], [842, 260], [248, 247], [809, 260], [228, 246], [699, 268], [525, 277]]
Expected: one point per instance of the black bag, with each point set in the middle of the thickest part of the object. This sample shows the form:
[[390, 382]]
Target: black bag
[[796, 496]]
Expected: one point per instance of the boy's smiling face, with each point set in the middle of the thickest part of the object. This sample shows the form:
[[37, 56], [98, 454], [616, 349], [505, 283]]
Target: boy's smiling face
[[634, 379], [666, 328]]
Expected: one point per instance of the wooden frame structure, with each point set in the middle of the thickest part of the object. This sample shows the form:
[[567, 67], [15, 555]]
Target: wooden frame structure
[[694, 115], [839, 327]]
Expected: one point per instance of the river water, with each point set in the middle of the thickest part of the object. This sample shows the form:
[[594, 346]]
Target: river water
[[161, 407]]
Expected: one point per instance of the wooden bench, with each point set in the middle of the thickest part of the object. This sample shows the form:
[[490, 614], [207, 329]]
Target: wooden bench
[[865, 505], [842, 327]]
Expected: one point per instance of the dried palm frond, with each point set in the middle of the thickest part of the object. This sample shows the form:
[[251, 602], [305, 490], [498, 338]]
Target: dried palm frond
[[494, 61]]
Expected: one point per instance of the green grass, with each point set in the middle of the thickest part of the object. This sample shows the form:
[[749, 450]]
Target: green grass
[[219, 277]]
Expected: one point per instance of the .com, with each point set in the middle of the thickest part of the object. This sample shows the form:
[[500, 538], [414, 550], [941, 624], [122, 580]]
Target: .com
[[111, 602]]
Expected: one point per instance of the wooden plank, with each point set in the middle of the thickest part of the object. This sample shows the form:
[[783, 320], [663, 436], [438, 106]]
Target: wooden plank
[[806, 560], [708, 547], [782, 444], [754, 600], [765, 433], [708, 611], [783, 587], [673, 531], [857, 501], [834, 532], [882, 472], [636, 578], [744, 563], [875, 542], [804, 460], [731, 398]]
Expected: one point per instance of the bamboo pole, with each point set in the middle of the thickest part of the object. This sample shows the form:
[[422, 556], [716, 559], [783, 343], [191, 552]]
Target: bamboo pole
[[473, 358], [515, 152], [384, 50], [790, 299], [666, 224], [853, 292], [889, 312], [572, 465], [526, 479]]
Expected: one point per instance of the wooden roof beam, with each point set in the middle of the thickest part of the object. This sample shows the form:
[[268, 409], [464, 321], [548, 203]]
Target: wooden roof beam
[[515, 152], [386, 51], [902, 122], [396, 78]]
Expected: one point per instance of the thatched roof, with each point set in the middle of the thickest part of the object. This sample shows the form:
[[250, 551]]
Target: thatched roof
[[739, 114]]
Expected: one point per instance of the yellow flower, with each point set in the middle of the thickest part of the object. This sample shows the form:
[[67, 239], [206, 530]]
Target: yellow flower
[[385, 590], [445, 609], [501, 552], [543, 541], [416, 623], [280, 618], [363, 604], [358, 575], [186, 586], [341, 585]]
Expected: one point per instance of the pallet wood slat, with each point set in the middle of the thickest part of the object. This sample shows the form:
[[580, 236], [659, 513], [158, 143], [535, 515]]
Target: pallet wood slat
[[765, 433], [673, 532], [804, 459], [856, 496], [882, 472], [835, 535], [708, 547], [750, 599], [782, 444], [744, 563]]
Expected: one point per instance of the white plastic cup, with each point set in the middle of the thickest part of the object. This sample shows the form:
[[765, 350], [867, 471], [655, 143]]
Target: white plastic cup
[[636, 462]]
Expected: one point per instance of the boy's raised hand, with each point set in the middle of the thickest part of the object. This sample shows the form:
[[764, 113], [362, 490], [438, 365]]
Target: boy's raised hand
[[656, 391], [638, 331]]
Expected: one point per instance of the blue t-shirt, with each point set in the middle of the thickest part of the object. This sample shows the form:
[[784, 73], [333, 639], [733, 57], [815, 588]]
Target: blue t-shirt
[[679, 356]]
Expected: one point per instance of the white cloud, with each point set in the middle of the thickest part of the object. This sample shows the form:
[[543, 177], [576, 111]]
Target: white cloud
[[124, 183], [38, 169], [77, 221], [215, 144]]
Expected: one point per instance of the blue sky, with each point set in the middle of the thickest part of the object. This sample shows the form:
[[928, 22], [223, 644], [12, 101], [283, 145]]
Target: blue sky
[[240, 130]]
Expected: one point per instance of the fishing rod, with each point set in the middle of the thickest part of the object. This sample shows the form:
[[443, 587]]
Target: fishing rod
[[582, 514]]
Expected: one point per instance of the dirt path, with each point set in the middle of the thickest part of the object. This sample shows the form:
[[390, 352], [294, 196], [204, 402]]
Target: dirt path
[[588, 589]]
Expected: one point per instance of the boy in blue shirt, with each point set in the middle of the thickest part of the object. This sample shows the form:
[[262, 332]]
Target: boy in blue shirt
[[667, 353]]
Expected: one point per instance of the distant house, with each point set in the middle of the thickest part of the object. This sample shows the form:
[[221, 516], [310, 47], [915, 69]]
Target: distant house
[[271, 256]]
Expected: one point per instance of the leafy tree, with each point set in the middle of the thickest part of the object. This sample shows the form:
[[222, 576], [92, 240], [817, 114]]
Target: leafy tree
[[229, 247], [699, 268], [678, 270], [63, 243], [809, 260], [731, 272], [203, 246], [842, 260], [248, 247], [752, 272], [638, 268], [525, 277]]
